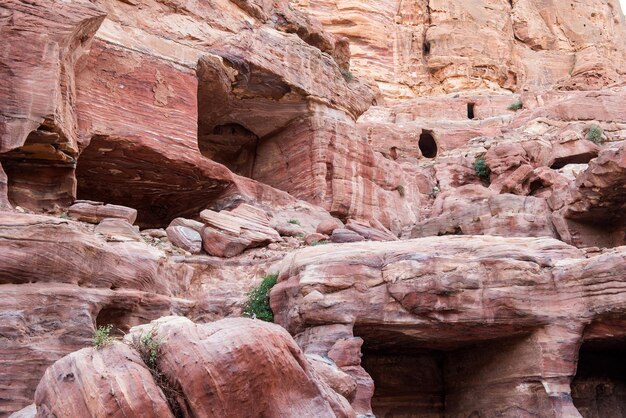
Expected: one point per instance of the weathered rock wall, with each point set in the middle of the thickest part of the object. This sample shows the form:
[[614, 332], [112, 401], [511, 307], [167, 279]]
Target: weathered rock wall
[[417, 47], [229, 112], [503, 319]]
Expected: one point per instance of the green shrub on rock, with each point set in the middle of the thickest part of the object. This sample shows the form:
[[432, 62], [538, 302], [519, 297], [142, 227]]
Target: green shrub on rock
[[595, 134], [102, 337], [481, 168], [258, 303], [515, 106]]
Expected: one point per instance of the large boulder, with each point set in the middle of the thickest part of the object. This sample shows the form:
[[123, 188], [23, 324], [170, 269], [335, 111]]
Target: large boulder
[[241, 367], [111, 381], [227, 234], [233, 367]]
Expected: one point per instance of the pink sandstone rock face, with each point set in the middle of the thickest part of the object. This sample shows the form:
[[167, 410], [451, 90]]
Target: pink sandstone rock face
[[421, 47], [160, 157], [115, 372], [526, 306], [38, 125], [130, 385]]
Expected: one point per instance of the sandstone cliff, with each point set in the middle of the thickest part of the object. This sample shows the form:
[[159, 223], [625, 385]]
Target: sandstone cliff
[[440, 187]]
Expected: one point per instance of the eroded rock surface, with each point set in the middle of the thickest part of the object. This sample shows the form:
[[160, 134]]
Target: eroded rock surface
[[421, 47], [272, 377], [423, 303], [223, 137]]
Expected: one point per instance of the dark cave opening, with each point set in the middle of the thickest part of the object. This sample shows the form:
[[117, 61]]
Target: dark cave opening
[[427, 144], [119, 319], [535, 186], [230, 144], [470, 111], [599, 388], [415, 378]]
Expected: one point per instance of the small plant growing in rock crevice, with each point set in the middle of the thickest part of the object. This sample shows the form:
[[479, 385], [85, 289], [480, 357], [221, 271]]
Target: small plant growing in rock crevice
[[347, 75], [258, 303], [293, 222], [149, 346], [102, 337], [595, 134], [320, 242], [482, 169], [515, 106]]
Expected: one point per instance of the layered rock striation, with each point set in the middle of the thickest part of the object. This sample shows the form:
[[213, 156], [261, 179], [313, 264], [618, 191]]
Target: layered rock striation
[[452, 326], [420, 47], [439, 186]]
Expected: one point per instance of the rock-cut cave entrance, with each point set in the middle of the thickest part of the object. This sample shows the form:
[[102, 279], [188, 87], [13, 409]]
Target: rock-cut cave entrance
[[470, 111], [236, 117], [599, 388], [417, 379], [408, 383], [427, 144]]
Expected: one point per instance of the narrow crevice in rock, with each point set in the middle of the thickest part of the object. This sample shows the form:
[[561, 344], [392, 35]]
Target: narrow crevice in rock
[[583, 158]]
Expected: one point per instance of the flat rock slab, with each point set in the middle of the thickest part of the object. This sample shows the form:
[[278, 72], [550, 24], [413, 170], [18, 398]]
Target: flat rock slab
[[96, 212], [226, 234], [115, 229], [343, 235]]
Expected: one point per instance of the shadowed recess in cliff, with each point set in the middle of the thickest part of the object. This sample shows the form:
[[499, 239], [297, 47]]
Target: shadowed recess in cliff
[[406, 384], [126, 172], [40, 174], [599, 387], [416, 379], [238, 104], [230, 144]]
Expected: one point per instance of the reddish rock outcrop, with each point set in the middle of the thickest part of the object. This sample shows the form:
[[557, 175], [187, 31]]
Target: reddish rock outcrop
[[418, 47], [476, 210], [38, 127], [416, 304], [108, 382], [593, 213], [271, 368], [207, 121]]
